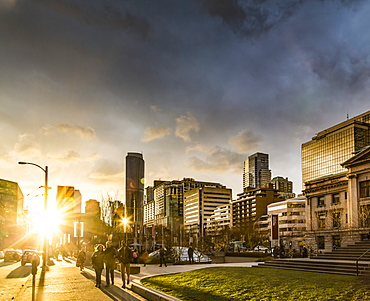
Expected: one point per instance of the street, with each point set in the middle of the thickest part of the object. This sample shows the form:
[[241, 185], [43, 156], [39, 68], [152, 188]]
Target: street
[[13, 278]]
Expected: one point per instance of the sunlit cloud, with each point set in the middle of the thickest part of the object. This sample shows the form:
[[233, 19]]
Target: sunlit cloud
[[198, 148], [245, 141], [152, 133], [103, 177], [154, 108], [106, 171], [27, 146], [68, 156], [186, 124], [85, 132], [218, 160]]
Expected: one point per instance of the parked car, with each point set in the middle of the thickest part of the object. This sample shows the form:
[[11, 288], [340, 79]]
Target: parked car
[[261, 249], [12, 255], [29, 255]]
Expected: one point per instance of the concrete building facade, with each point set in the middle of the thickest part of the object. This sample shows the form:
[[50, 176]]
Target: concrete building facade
[[199, 206]]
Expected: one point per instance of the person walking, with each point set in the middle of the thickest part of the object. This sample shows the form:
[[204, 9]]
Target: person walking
[[81, 258], [97, 260], [110, 254], [145, 257], [191, 254], [162, 257], [124, 256], [135, 256]]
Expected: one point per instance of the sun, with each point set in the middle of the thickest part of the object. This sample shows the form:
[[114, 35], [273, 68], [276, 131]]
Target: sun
[[46, 223]]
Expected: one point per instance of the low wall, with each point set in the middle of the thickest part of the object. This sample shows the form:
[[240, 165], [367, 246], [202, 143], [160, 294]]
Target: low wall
[[232, 259]]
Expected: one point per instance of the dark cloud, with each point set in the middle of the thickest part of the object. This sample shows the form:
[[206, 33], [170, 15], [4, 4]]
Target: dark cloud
[[100, 13], [252, 18]]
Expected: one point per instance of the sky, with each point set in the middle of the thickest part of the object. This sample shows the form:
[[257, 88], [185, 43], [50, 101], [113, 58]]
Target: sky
[[196, 86]]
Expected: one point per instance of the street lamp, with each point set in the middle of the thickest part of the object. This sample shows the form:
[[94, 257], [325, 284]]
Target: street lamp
[[45, 170], [125, 223]]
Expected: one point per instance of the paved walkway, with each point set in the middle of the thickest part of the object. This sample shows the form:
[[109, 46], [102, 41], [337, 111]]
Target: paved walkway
[[63, 281]]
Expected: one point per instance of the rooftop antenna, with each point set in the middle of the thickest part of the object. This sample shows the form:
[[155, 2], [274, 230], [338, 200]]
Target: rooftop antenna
[[347, 115]]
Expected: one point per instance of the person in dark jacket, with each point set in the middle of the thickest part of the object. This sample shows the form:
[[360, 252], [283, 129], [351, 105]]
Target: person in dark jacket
[[97, 260], [81, 258], [162, 257], [124, 256], [191, 254], [110, 262]]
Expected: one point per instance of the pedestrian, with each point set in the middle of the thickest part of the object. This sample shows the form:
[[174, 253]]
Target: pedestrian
[[191, 254], [124, 255], [81, 258], [97, 260], [110, 254], [135, 256], [162, 257], [145, 257]]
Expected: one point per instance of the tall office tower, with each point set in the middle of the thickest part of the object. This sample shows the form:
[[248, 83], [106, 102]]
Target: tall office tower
[[199, 205], [256, 173], [325, 153], [135, 187], [12, 221], [69, 199]]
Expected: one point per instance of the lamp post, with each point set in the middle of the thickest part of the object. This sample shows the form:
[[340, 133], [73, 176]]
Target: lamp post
[[125, 222], [45, 249]]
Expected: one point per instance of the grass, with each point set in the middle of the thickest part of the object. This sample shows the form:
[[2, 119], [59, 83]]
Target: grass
[[262, 284]]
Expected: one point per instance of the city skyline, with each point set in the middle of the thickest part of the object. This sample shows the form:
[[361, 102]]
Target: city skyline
[[194, 86]]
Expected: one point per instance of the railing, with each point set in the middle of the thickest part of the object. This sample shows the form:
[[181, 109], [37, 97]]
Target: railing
[[358, 259]]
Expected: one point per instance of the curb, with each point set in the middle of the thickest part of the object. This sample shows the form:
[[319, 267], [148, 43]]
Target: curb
[[151, 294]]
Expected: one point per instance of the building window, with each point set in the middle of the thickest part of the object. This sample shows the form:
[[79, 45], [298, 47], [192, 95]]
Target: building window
[[320, 201], [365, 215], [335, 199], [336, 220], [365, 189], [321, 220], [321, 242], [336, 241]]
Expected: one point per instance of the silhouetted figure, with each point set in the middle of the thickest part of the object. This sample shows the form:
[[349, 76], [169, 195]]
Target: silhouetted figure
[[124, 255], [81, 258], [162, 257], [191, 254], [110, 262], [97, 260]]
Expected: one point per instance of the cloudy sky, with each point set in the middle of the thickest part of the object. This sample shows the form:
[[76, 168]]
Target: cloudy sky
[[196, 86]]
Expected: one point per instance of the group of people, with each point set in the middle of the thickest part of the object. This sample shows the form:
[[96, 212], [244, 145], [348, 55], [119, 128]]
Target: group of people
[[106, 256]]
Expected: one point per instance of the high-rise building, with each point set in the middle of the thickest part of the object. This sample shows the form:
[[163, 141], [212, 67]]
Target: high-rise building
[[11, 213], [199, 206], [256, 172], [324, 154], [69, 200], [135, 187], [165, 201], [252, 204], [284, 186]]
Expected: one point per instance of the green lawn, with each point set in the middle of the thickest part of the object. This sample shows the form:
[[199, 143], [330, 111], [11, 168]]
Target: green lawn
[[228, 283]]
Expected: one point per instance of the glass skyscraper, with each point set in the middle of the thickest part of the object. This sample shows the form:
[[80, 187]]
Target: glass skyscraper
[[135, 187], [324, 154], [256, 171]]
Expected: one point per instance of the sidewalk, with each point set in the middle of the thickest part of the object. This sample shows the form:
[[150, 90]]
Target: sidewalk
[[64, 282]]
